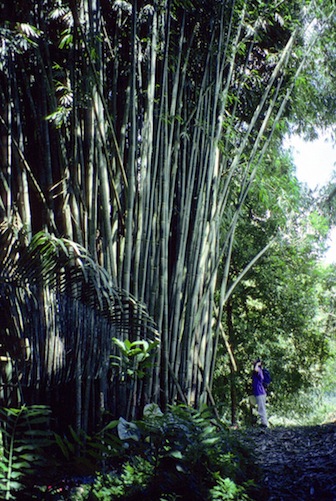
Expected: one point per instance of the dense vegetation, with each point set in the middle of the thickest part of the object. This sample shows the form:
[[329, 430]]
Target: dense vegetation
[[181, 453], [154, 238]]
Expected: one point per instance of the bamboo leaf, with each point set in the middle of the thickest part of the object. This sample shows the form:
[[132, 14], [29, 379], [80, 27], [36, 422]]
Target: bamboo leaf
[[110, 426], [63, 445]]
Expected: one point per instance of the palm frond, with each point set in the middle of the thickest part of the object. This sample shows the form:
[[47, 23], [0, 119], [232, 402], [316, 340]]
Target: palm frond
[[61, 307]]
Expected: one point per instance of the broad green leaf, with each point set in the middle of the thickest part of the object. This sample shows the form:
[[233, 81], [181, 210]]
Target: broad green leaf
[[176, 454]]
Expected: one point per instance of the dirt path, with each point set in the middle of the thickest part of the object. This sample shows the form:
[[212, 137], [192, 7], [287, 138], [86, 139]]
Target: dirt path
[[297, 463]]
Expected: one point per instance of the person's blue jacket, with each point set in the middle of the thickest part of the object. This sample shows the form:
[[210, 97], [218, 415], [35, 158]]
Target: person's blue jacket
[[257, 382]]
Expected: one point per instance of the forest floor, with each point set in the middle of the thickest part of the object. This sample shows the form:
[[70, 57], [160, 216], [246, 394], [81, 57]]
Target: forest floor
[[296, 463]]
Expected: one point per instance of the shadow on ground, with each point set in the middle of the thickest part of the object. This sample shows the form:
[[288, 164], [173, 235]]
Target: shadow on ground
[[297, 463]]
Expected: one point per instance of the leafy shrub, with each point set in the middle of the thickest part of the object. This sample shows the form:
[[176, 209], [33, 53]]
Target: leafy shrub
[[133, 477], [84, 454], [226, 490], [183, 454]]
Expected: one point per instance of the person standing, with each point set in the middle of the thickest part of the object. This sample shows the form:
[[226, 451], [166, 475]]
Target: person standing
[[259, 391]]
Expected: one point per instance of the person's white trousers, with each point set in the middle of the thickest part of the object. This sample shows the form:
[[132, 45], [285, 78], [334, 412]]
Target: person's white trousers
[[261, 402]]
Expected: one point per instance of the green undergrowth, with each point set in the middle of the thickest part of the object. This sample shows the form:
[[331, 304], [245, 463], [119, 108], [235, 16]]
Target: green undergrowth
[[305, 409], [180, 454]]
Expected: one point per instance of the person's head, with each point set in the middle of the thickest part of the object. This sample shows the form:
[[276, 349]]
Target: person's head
[[257, 363]]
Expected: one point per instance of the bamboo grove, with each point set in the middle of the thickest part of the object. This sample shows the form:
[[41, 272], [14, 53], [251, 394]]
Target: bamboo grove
[[134, 130]]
